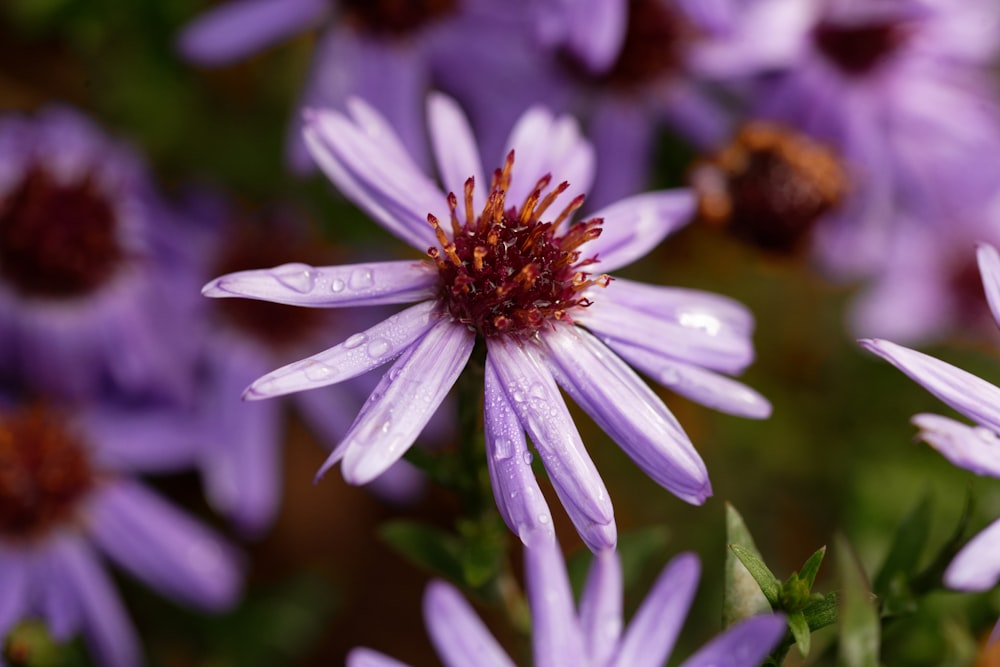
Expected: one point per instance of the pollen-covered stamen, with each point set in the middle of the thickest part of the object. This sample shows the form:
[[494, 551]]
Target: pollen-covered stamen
[[57, 240], [396, 17], [858, 49], [769, 186], [44, 473], [506, 271]]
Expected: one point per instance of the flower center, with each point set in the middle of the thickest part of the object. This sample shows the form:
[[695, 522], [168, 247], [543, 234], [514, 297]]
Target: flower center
[[396, 17], [769, 187], [57, 240], [857, 50], [507, 272], [44, 472]]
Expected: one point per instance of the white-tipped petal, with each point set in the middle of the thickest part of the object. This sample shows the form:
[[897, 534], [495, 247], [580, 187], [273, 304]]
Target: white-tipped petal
[[974, 448]]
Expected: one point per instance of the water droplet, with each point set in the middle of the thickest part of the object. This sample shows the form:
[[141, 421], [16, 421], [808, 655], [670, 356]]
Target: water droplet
[[361, 279], [297, 277], [394, 372], [355, 341], [518, 396], [378, 347], [513, 494], [318, 372], [543, 519], [527, 458], [386, 425], [706, 322], [337, 285], [537, 390], [501, 449]]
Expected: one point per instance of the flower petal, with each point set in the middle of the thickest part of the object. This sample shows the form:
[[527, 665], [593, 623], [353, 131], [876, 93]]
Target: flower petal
[[458, 634], [653, 630], [745, 644], [403, 402], [989, 267], [974, 397], [624, 135], [164, 547], [141, 440], [237, 29], [533, 394], [628, 411], [601, 607], [108, 630], [373, 284], [710, 389], [515, 488], [363, 657], [358, 354], [557, 638], [634, 226], [976, 567], [971, 447], [14, 581], [455, 149], [364, 158]]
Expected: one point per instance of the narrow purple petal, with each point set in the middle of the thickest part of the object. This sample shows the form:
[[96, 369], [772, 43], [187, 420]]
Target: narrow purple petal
[[455, 149], [544, 144], [989, 267], [696, 338], [621, 404], [106, 625], [141, 441], [373, 284], [366, 162], [14, 581], [634, 226], [971, 447], [404, 401], [601, 607], [624, 135], [975, 398], [976, 567], [363, 657], [745, 644], [458, 634], [532, 392], [557, 638], [710, 389], [358, 354], [515, 488], [596, 31], [237, 29], [651, 634], [164, 547], [60, 604]]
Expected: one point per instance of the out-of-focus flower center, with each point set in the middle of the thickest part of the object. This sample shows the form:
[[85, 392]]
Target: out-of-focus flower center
[[769, 187], [57, 240], [273, 324], [44, 472], [965, 286], [507, 272], [859, 49], [396, 17]]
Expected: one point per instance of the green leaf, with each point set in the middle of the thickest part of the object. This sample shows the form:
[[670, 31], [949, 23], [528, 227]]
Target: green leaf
[[800, 631], [859, 622], [430, 548], [768, 583], [742, 597], [822, 611], [907, 546], [811, 567]]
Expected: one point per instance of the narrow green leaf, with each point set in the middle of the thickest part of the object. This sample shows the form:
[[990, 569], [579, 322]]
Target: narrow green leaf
[[822, 612], [427, 547], [769, 585], [742, 597], [800, 631], [811, 567], [907, 546], [859, 623]]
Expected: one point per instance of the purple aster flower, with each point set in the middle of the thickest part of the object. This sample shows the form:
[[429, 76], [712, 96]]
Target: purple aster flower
[[901, 90], [592, 635], [975, 448], [85, 252], [66, 493], [503, 269]]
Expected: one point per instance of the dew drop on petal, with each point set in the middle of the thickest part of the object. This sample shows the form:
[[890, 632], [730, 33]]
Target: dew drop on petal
[[527, 458], [378, 347], [518, 396], [394, 373], [318, 372], [537, 390], [297, 277], [502, 449], [355, 341], [710, 324], [543, 519], [361, 279], [337, 285]]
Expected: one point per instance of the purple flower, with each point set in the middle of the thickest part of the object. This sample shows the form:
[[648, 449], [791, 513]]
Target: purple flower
[[504, 269], [975, 448], [592, 635], [85, 249], [66, 493]]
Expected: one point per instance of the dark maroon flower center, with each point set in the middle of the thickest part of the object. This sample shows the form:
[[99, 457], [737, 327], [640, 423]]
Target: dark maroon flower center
[[273, 324], [507, 272], [859, 49], [57, 240], [396, 17], [965, 284], [44, 472], [769, 187]]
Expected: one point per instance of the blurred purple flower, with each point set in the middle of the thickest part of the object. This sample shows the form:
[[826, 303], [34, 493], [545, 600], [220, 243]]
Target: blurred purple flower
[[593, 635], [66, 492], [498, 271], [975, 448], [85, 251], [901, 90]]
